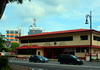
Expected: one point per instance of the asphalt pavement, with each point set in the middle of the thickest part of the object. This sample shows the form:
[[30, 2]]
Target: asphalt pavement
[[54, 64]]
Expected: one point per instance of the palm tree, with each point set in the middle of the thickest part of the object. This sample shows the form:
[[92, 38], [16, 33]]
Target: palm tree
[[18, 1]]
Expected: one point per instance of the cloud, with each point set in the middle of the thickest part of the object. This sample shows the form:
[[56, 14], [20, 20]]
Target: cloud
[[43, 8], [60, 2], [50, 12], [98, 28], [26, 12]]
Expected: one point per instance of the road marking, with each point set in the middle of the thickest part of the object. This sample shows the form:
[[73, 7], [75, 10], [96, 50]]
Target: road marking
[[50, 66]]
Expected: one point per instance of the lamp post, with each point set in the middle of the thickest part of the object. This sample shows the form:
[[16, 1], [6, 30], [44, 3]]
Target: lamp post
[[90, 16]]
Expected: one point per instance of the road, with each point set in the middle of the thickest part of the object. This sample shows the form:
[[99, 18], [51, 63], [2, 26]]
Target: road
[[56, 65]]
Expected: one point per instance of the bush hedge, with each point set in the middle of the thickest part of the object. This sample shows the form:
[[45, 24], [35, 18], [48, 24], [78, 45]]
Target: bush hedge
[[4, 63]]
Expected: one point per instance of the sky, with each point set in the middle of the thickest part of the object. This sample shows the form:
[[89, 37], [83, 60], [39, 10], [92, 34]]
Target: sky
[[51, 15]]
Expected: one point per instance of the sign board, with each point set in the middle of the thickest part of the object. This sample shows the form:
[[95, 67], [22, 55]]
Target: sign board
[[7, 44]]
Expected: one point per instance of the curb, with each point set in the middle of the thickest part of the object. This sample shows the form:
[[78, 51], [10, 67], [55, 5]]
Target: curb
[[17, 59], [28, 59]]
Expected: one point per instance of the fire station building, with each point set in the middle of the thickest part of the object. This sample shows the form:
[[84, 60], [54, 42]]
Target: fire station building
[[51, 44]]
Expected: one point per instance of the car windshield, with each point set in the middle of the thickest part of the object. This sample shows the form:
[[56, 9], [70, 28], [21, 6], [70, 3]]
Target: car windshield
[[41, 56], [73, 56]]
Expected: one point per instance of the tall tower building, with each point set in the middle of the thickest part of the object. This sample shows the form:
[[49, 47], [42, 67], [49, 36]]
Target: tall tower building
[[12, 33], [34, 30]]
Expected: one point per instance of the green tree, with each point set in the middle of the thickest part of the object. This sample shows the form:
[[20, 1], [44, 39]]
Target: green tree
[[14, 45], [1, 44], [9, 49], [18, 1]]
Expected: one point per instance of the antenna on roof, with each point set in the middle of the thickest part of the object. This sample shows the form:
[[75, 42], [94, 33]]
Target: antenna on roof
[[34, 23]]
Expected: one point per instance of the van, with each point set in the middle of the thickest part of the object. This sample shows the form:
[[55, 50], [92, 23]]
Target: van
[[68, 58]]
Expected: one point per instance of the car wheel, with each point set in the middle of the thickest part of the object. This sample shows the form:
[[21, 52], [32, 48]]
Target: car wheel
[[66, 62], [38, 61], [61, 62], [74, 63], [80, 63], [43, 61]]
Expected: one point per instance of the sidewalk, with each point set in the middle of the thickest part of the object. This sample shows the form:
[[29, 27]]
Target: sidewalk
[[17, 67]]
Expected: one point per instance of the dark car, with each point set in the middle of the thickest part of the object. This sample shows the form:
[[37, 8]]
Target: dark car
[[67, 58], [46, 59], [38, 58]]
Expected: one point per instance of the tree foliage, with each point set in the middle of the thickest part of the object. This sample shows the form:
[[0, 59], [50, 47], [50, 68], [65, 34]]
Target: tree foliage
[[4, 63], [14, 45], [9, 49], [1, 44], [18, 1]]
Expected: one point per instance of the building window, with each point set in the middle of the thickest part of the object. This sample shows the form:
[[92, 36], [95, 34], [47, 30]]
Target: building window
[[84, 37], [12, 32], [96, 38], [70, 38], [24, 41], [84, 49], [11, 36], [16, 39], [78, 49], [11, 40], [7, 32], [7, 35], [16, 32], [27, 51]]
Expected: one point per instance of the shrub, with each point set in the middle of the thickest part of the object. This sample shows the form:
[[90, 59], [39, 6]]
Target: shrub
[[4, 63], [6, 67]]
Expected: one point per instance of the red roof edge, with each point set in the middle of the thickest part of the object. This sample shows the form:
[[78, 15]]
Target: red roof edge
[[57, 32], [29, 47]]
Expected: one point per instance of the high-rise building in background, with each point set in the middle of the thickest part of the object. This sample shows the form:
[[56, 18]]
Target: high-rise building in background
[[34, 30], [12, 33]]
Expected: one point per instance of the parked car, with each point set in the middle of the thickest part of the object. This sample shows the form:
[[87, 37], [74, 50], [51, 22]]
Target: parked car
[[67, 58], [46, 59], [38, 58]]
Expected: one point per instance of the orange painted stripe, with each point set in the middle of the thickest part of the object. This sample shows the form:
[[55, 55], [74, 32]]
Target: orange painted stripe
[[14, 41], [12, 34], [10, 38]]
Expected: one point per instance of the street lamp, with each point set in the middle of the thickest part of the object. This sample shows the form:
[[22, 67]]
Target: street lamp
[[90, 16]]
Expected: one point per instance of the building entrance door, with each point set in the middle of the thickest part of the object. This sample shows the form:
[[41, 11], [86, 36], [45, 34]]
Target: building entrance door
[[49, 53]]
